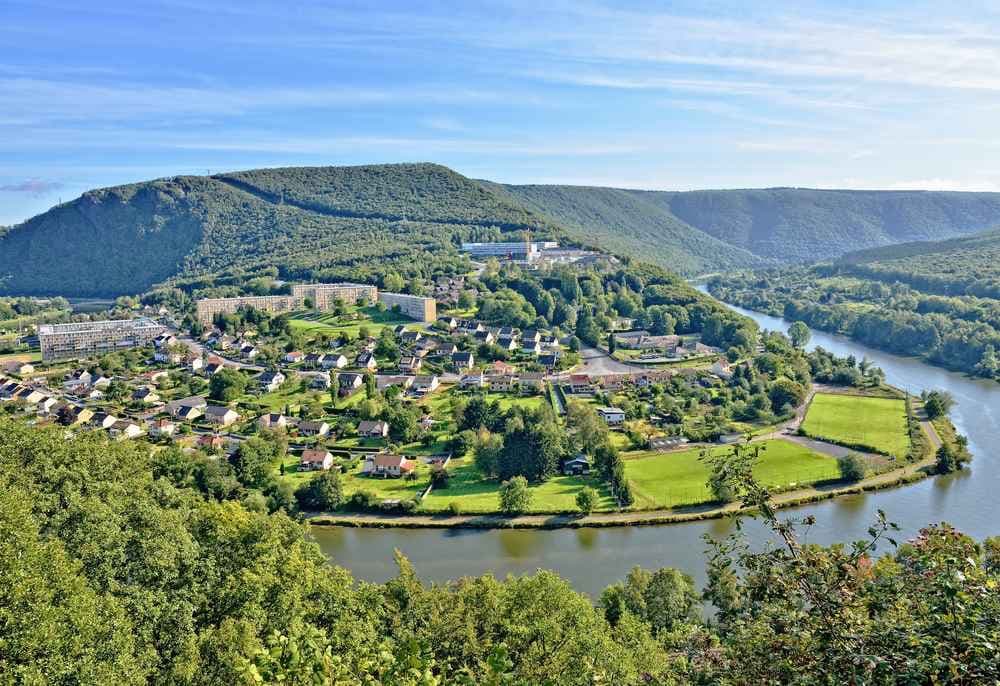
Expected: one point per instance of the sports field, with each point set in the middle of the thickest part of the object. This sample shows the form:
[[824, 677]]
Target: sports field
[[679, 478], [878, 424]]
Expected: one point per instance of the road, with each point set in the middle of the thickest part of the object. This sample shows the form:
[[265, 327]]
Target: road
[[594, 362]]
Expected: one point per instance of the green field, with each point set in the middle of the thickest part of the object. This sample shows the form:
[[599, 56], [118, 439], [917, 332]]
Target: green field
[[679, 478], [875, 423], [386, 489], [478, 496], [372, 319]]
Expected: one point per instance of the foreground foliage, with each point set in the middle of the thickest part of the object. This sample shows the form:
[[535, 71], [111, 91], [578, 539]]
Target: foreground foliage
[[108, 575]]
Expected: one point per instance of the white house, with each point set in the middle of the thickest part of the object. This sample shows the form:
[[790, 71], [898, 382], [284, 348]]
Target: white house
[[611, 415]]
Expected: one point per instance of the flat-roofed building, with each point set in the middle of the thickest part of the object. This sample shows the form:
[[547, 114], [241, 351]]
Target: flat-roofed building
[[322, 295], [413, 306], [519, 250], [92, 339], [325, 295], [209, 308]]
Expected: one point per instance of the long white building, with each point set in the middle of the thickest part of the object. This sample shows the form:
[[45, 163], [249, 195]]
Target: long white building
[[92, 339]]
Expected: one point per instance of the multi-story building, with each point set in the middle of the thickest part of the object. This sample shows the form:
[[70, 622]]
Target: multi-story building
[[525, 251], [322, 295], [325, 295], [413, 306], [208, 308], [91, 339]]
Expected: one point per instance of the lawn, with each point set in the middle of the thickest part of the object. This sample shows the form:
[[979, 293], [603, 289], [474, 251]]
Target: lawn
[[385, 489], [679, 478], [477, 495], [860, 421], [26, 356], [372, 319]]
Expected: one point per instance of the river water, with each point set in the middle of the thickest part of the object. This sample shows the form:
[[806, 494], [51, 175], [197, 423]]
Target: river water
[[591, 559]]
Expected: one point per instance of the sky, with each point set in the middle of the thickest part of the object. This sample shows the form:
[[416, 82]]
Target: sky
[[658, 95]]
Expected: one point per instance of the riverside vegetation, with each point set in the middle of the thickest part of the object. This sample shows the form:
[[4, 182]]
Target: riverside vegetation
[[117, 568]]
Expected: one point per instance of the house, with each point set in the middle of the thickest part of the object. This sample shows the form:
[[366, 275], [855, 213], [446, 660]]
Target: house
[[473, 381], [28, 395], [502, 383], [410, 363], [388, 381], [315, 359], [448, 322], [549, 360], [315, 460], [271, 381], [662, 443], [501, 367], [508, 343], [272, 421], [366, 360], [722, 369], [125, 429], [612, 416], [211, 442], [195, 363], [248, 352], [532, 381], [423, 385], [145, 395], [399, 329], [213, 368], [531, 335], [464, 360], [165, 340], [294, 357], [103, 420], [320, 380], [578, 465], [45, 405], [348, 383], [579, 383], [486, 337], [506, 332], [387, 465], [614, 382], [101, 383], [71, 415], [162, 427], [18, 367], [311, 427], [410, 337], [531, 348], [187, 408], [221, 415], [373, 429], [168, 356], [333, 361]]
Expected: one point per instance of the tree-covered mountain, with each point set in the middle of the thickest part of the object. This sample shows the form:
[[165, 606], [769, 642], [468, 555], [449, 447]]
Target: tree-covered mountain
[[627, 222], [805, 225], [347, 222], [359, 222], [960, 266]]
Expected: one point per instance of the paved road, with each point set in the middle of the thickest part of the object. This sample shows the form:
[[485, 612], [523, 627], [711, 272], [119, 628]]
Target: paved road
[[594, 362]]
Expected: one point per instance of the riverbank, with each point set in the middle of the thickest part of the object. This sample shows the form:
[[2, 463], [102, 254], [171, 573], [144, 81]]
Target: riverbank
[[898, 477]]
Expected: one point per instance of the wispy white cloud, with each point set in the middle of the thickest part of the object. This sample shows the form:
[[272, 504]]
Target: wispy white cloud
[[31, 186]]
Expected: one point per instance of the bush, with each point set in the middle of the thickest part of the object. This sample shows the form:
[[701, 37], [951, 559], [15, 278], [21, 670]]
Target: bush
[[514, 495], [454, 508], [852, 467], [440, 477], [586, 500], [364, 501], [322, 493]]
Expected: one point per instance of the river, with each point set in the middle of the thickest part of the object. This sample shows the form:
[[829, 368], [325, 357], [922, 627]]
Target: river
[[591, 559]]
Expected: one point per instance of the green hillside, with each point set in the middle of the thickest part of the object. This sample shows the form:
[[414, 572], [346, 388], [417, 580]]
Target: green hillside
[[960, 266], [344, 222], [627, 223], [804, 225]]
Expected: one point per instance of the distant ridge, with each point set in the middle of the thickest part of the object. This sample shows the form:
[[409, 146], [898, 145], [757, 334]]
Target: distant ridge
[[355, 222]]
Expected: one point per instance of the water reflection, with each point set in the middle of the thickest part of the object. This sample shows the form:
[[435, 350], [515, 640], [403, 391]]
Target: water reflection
[[586, 538]]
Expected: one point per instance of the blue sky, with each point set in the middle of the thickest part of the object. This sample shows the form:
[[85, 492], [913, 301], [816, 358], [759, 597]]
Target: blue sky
[[652, 95]]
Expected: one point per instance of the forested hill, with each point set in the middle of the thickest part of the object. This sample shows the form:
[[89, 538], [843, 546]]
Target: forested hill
[[346, 222], [626, 222], [804, 225], [359, 222]]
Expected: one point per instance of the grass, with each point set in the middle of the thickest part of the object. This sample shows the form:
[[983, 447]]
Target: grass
[[371, 318], [878, 424], [25, 356], [676, 479], [476, 495], [354, 481]]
